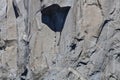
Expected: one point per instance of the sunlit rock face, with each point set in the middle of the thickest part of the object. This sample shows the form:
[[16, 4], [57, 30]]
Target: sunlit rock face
[[87, 32]]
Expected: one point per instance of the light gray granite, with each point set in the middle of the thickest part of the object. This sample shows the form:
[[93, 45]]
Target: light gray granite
[[87, 48]]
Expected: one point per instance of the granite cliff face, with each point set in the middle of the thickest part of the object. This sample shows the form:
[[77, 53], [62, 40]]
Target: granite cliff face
[[59, 39]]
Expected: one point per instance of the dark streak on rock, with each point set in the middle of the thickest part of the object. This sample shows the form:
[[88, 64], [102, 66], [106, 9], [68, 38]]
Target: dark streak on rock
[[117, 29], [111, 49], [95, 72], [75, 60], [6, 11], [93, 52], [78, 39], [16, 9], [113, 11], [99, 4], [69, 74], [81, 63], [101, 27], [59, 40], [41, 0]]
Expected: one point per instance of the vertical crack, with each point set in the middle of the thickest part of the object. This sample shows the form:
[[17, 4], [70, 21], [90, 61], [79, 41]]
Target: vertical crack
[[16, 9], [27, 32], [102, 26], [23, 49]]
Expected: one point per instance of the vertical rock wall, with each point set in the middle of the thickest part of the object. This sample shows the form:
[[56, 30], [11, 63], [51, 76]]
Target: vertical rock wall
[[87, 46]]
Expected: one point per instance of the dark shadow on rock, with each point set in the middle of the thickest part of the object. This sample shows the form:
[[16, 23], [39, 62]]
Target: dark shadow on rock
[[16, 9], [24, 73], [54, 16]]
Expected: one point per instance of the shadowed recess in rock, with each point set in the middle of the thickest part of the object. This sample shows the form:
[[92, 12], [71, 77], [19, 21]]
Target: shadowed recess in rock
[[54, 16], [2, 48], [73, 46], [24, 73], [16, 10]]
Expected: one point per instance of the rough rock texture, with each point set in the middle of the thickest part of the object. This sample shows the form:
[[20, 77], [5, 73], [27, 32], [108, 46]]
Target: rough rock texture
[[87, 46]]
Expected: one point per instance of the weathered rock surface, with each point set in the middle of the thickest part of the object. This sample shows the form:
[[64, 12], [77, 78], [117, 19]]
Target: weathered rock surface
[[79, 43]]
